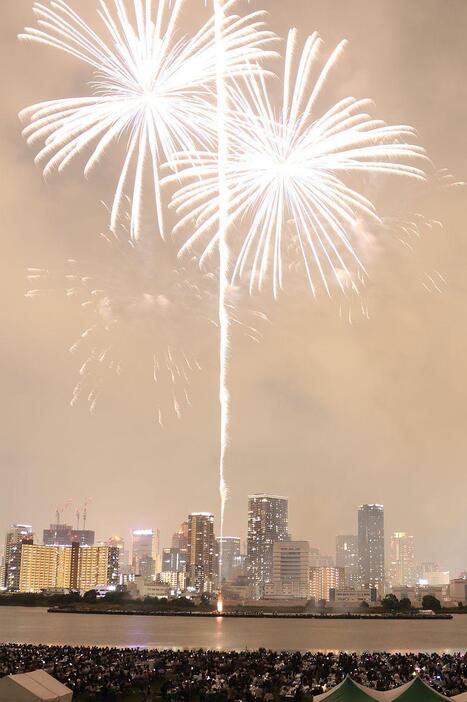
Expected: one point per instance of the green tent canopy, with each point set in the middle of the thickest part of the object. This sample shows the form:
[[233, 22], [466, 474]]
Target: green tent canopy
[[347, 691], [416, 690]]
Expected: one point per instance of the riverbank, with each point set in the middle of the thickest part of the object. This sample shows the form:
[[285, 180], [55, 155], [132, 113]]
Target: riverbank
[[249, 615]]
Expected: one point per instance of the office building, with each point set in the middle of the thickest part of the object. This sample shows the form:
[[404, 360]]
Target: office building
[[371, 546], [347, 557], [267, 524], [231, 557], [145, 552], [15, 536], [347, 597], [290, 570], [200, 551], [402, 568], [324, 581], [65, 535], [458, 590], [435, 577]]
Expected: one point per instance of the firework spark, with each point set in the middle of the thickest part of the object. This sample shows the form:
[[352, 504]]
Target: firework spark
[[136, 306], [287, 174], [151, 89]]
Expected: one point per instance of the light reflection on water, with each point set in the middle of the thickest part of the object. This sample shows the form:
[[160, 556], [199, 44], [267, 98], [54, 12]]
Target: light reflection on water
[[35, 625]]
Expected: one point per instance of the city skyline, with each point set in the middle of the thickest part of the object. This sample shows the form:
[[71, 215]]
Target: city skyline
[[331, 414], [401, 563]]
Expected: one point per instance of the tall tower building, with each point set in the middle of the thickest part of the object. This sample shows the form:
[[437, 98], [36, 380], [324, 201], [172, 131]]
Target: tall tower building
[[347, 557], [200, 551], [267, 524], [231, 557], [371, 546], [402, 568], [145, 552], [15, 537]]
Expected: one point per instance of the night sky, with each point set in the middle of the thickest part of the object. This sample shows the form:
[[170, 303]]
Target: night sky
[[331, 414]]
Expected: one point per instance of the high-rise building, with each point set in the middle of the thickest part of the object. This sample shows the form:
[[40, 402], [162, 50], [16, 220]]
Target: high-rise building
[[371, 546], [65, 535], [45, 568], [98, 567], [323, 580], [347, 557], [15, 536], [231, 557], [173, 571], [402, 568], [180, 538], [145, 552], [67, 567], [200, 551], [173, 560], [320, 560], [290, 569], [267, 524]]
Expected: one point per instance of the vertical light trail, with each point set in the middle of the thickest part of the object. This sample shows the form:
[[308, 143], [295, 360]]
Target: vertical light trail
[[224, 322]]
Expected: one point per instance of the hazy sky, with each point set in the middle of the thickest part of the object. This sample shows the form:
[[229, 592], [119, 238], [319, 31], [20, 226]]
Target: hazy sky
[[331, 415]]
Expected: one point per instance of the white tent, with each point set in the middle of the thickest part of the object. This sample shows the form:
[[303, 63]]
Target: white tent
[[37, 686]]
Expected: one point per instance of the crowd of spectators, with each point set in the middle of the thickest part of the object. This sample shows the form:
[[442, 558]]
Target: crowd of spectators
[[248, 676]]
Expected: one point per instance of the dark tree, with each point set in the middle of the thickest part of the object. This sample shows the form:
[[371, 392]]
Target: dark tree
[[90, 596], [431, 602], [390, 603], [405, 604]]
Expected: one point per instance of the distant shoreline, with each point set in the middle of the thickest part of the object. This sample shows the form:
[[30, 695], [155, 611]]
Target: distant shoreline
[[251, 615]]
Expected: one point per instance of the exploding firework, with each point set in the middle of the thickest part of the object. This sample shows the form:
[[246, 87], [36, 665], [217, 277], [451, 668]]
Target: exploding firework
[[145, 318], [287, 175], [151, 89]]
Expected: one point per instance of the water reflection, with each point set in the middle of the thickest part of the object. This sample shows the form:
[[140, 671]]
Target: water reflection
[[35, 625]]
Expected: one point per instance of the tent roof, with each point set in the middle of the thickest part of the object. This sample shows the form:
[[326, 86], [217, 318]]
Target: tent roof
[[347, 691], [416, 690], [41, 685], [49, 682]]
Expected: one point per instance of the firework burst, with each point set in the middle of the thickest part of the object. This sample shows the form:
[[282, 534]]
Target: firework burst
[[287, 173], [145, 319], [152, 89]]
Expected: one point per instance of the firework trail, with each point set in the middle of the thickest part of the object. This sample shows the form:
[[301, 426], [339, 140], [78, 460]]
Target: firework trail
[[151, 89], [223, 212], [287, 174], [135, 301]]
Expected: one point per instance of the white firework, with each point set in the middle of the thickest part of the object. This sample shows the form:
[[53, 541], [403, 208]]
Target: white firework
[[151, 89], [146, 319], [287, 174]]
